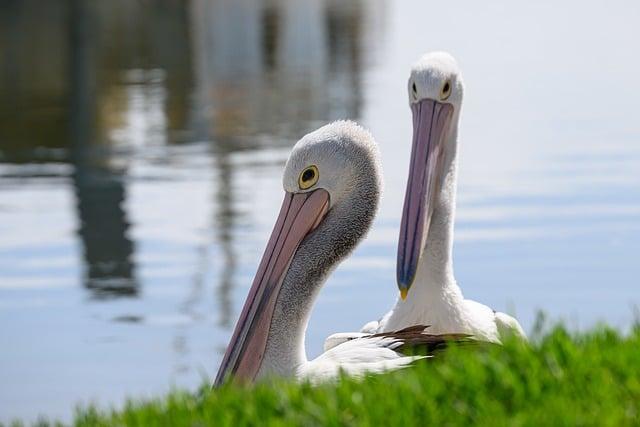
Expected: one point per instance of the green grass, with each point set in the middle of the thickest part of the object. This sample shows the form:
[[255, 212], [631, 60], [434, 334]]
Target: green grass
[[590, 378]]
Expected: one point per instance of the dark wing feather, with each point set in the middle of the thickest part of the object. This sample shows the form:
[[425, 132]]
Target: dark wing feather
[[415, 339]]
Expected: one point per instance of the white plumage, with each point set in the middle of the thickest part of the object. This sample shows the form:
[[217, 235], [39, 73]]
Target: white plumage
[[356, 357], [332, 186], [425, 265]]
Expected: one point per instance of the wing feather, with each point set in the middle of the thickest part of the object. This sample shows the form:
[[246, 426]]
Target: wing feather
[[357, 354]]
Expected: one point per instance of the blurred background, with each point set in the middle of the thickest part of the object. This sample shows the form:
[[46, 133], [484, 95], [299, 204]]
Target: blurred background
[[142, 142]]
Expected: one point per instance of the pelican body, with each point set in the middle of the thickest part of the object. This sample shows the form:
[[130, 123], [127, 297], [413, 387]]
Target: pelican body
[[429, 293], [332, 182]]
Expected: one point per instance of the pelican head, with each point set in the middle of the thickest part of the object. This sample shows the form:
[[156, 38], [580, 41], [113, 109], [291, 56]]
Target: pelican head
[[435, 96], [332, 183]]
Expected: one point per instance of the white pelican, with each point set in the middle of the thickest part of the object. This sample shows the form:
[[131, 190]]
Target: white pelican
[[429, 294], [332, 184]]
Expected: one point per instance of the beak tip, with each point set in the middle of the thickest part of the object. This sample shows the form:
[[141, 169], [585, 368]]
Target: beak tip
[[404, 280]]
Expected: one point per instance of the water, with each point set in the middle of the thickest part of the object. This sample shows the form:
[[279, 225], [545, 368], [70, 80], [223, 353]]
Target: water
[[140, 157]]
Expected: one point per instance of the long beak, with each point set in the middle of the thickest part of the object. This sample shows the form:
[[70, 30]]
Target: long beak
[[431, 120], [300, 214]]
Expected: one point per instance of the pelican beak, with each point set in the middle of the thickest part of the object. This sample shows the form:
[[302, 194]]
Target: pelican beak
[[431, 120], [300, 214]]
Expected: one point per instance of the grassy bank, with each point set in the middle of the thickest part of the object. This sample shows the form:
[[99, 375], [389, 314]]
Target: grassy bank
[[561, 379]]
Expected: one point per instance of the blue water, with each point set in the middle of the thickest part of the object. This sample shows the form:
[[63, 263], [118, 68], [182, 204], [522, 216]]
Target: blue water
[[140, 173]]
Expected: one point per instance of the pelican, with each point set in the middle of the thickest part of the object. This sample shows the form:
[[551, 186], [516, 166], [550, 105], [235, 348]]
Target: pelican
[[429, 293], [332, 183]]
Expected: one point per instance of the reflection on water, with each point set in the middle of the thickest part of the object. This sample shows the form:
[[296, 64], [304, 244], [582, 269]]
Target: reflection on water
[[99, 188], [133, 137], [141, 147]]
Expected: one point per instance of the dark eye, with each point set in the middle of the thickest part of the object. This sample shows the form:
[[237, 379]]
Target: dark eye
[[415, 89], [308, 175], [446, 91]]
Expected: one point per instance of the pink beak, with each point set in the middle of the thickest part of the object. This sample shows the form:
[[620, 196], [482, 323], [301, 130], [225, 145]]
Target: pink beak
[[431, 121], [300, 214]]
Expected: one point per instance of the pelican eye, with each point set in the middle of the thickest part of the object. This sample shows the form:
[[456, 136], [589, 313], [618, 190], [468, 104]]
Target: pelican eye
[[309, 177], [446, 91], [415, 90]]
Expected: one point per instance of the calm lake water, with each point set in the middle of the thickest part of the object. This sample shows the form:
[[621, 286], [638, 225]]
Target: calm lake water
[[141, 147]]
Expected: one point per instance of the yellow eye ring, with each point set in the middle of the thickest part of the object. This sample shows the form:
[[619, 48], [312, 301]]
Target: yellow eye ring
[[446, 91], [308, 177]]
